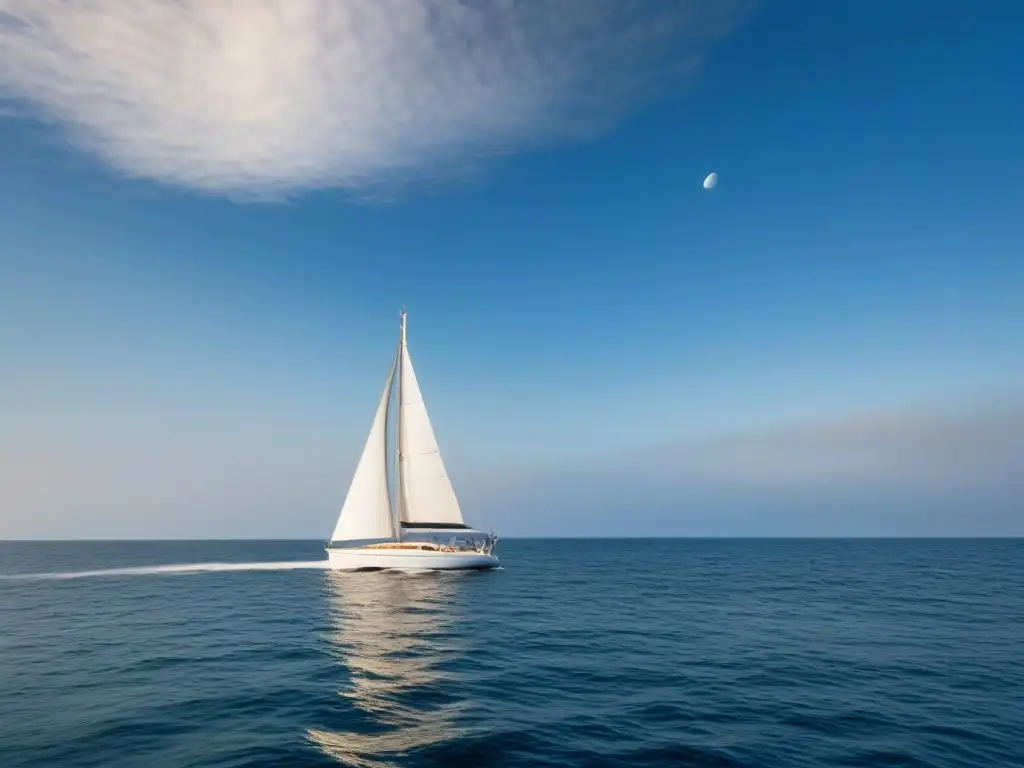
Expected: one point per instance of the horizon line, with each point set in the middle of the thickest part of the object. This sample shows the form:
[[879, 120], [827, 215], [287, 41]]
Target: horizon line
[[810, 537]]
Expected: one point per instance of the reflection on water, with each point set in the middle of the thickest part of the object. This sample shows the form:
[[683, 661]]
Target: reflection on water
[[396, 634]]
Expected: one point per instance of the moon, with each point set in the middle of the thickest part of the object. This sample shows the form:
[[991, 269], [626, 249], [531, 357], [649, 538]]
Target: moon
[[711, 181]]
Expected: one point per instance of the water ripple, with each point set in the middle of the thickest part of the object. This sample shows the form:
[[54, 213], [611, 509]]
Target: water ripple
[[632, 653]]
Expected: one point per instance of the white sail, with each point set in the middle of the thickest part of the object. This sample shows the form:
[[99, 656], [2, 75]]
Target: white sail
[[427, 493], [366, 513]]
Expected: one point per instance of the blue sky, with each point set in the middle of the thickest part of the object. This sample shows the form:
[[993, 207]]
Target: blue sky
[[202, 259]]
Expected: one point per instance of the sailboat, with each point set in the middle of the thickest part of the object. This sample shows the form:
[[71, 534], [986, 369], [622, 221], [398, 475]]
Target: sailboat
[[424, 529]]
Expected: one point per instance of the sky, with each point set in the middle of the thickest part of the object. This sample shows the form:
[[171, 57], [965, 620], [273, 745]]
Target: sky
[[211, 214]]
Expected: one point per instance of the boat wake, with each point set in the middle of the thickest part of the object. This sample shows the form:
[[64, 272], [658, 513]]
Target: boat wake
[[156, 570]]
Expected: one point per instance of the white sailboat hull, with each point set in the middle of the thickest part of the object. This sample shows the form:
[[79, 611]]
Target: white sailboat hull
[[356, 559]]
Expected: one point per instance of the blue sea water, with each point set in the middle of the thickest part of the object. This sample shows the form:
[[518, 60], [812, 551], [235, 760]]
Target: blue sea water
[[577, 653]]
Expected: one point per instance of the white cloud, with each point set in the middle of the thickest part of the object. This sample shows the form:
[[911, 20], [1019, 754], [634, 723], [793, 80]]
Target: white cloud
[[270, 97]]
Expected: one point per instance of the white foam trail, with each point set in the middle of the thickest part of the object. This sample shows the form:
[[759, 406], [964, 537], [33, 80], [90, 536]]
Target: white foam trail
[[152, 570]]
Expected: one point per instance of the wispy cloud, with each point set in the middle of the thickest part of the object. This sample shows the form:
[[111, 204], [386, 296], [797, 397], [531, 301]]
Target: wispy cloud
[[912, 471], [269, 97], [930, 450], [921, 454]]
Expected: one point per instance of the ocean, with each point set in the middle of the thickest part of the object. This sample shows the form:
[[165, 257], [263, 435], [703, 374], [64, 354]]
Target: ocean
[[676, 652]]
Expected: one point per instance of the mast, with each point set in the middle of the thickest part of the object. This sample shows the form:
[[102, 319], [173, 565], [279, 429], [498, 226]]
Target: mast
[[400, 496]]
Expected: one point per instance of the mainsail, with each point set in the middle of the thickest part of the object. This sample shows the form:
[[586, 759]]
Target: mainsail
[[426, 493], [366, 513]]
